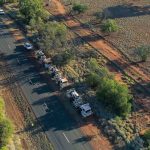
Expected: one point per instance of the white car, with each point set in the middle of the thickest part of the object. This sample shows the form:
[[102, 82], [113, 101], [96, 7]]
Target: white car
[[72, 93], [28, 46], [86, 110], [2, 12]]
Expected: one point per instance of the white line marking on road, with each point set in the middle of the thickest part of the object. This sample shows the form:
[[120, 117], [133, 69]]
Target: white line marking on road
[[66, 138]]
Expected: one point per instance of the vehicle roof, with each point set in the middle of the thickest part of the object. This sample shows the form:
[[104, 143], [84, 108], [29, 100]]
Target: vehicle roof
[[27, 43], [47, 60], [86, 107], [74, 92], [64, 80]]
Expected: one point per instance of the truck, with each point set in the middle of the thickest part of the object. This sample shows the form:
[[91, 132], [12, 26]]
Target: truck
[[75, 98]]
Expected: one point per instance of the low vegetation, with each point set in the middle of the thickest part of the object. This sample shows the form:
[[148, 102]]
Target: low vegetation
[[79, 8], [62, 58], [143, 52], [110, 26], [6, 127]]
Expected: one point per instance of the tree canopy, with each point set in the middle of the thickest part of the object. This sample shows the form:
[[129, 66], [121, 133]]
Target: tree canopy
[[53, 35], [114, 96], [32, 9]]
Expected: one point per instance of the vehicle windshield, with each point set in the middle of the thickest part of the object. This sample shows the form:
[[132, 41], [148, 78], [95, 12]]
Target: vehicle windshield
[[28, 45], [88, 111]]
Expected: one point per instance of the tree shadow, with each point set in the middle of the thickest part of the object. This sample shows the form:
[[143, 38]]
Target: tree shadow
[[123, 11]]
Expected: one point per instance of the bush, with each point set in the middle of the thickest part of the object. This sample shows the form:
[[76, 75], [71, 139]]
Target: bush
[[110, 26], [79, 8], [114, 96], [143, 52]]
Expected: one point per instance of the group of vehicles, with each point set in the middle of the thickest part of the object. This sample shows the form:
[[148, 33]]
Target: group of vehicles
[[56, 75], [78, 103]]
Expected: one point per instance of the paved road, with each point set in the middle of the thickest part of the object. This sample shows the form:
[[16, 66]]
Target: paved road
[[60, 128]]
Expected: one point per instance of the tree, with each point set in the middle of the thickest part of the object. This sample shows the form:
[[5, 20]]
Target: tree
[[143, 52], [53, 36], [114, 96], [93, 80], [31, 9], [79, 8], [110, 26]]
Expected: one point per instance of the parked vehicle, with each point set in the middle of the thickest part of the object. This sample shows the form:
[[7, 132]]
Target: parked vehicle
[[54, 71], [86, 110], [62, 82], [77, 102], [28, 46], [72, 93], [39, 53], [2, 12], [41, 59], [47, 61]]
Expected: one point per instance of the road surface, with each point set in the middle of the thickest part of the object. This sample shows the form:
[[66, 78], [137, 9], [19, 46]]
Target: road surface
[[59, 126]]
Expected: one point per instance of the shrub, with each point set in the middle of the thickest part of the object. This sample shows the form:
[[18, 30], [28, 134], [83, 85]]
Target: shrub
[[114, 96], [79, 8], [110, 26], [143, 52]]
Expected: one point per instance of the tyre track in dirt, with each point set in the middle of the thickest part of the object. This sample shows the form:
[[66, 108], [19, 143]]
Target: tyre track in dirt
[[102, 46]]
